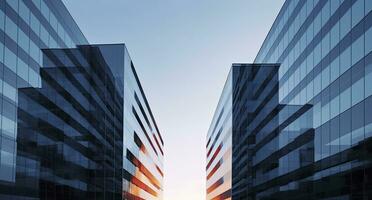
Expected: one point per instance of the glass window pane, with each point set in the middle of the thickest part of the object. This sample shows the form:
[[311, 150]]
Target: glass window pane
[[368, 77], [22, 70], [24, 12], [35, 24], [23, 40], [10, 60], [345, 24], [9, 91], [368, 41], [13, 4], [8, 127], [345, 100], [357, 91], [11, 29], [45, 10], [357, 12], [357, 50], [368, 6], [345, 60], [2, 20]]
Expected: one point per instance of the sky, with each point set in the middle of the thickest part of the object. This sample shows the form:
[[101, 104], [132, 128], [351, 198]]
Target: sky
[[182, 51]]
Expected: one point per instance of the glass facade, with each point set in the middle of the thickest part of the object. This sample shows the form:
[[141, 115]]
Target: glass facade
[[75, 122], [26, 27], [143, 144], [322, 146]]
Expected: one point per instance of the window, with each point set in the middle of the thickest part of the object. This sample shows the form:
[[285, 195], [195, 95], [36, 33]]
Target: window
[[24, 12], [53, 21], [37, 3], [368, 6], [334, 5], [13, 4], [33, 78], [11, 29], [317, 84], [368, 41], [345, 24], [45, 10], [345, 100], [9, 91], [368, 75], [335, 106], [357, 50], [44, 35], [22, 70], [8, 127], [345, 60], [357, 12], [10, 60], [2, 20], [23, 40], [345, 130], [335, 69], [335, 34], [1, 52], [357, 92], [35, 24], [34, 51], [357, 123], [317, 24], [325, 77]]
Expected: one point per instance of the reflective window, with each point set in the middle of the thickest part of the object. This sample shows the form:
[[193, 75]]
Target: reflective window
[[2, 20], [24, 12], [368, 41], [335, 69], [357, 12], [22, 70], [345, 24], [357, 123], [335, 106], [1, 52], [13, 4], [9, 91], [368, 6], [10, 60], [345, 60], [357, 50], [335, 34], [44, 35], [37, 3], [23, 40], [11, 29], [8, 127], [368, 76], [33, 78], [35, 24], [34, 51], [45, 10], [357, 91], [345, 100]]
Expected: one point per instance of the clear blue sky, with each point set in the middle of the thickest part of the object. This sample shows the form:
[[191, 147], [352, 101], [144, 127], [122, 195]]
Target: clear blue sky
[[182, 50]]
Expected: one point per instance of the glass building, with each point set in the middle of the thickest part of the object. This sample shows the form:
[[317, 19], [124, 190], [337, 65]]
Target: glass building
[[322, 148], [75, 122]]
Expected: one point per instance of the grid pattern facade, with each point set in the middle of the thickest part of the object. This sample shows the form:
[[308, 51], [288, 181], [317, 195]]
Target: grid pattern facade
[[324, 48], [317, 144], [219, 147], [143, 144], [27, 170], [25, 28]]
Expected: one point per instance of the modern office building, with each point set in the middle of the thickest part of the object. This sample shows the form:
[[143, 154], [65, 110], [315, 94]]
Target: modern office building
[[75, 122], [322, 148]]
